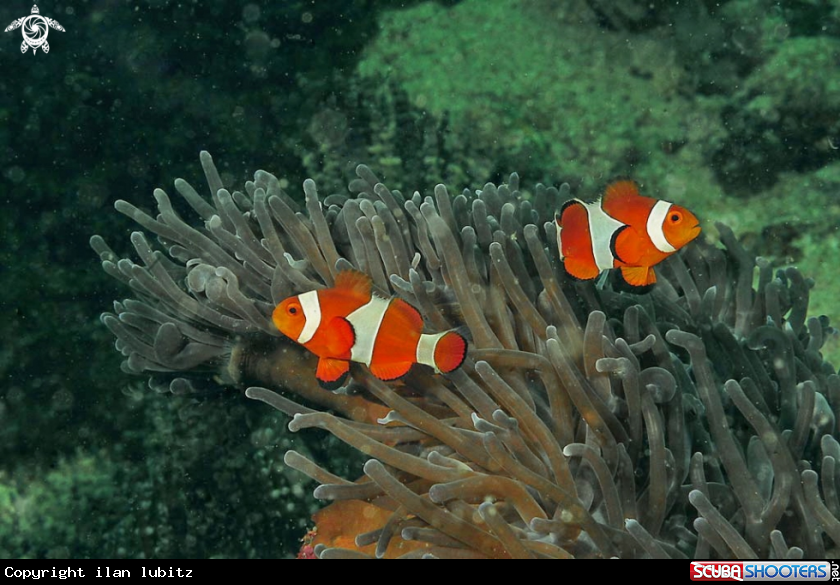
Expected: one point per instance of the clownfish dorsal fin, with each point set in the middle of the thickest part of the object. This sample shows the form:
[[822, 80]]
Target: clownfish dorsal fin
[[620, 190], [355, 283], [409, 312], [623, 202]]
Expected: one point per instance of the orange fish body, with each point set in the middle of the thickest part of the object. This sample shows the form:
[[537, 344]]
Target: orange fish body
[[622, 230], [348, 322]]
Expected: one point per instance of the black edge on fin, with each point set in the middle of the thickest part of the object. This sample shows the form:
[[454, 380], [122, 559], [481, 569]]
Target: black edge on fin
[[574, 278], [352, 329], [335, 385], [558, 216], [620, 285], [614, 240]]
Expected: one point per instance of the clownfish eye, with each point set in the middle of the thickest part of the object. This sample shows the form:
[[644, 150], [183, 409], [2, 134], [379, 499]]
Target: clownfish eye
[[292, 310], [676, 217]]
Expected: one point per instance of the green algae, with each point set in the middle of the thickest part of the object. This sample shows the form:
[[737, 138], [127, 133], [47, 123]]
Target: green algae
[[710, 106], [547, 93]]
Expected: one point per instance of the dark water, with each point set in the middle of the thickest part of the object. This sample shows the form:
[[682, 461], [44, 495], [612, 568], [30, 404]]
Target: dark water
[[731, 108]]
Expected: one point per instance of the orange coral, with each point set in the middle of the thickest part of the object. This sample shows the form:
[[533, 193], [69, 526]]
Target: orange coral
[[340, 522]]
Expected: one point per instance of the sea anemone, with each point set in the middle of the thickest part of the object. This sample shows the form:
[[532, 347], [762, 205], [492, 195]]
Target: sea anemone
[[696, 421]]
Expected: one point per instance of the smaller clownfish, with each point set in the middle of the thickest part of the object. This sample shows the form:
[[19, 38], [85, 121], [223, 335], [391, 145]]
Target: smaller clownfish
[[622, 230], [348, 322]]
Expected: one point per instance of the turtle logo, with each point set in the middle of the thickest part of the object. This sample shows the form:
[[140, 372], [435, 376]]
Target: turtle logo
[[35, 28]]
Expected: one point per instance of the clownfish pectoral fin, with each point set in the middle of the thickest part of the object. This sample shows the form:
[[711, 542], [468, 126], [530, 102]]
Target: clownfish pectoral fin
[[331, 373], [392, 371], [627, 246], [355, 283], [339, 337], [614, 247], [638, 275]]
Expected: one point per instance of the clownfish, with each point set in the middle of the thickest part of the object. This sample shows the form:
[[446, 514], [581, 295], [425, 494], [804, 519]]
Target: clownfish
[[349, 322], [622, 230]]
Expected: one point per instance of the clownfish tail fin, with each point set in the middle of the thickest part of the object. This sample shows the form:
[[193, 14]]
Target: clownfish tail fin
[[450, 352], [442, 351]]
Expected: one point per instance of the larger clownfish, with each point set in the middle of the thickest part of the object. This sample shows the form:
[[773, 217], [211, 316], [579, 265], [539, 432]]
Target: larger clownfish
[[348, 322], [622, 230]]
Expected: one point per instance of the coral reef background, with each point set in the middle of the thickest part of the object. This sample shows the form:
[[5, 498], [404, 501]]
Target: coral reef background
[[728, 107]]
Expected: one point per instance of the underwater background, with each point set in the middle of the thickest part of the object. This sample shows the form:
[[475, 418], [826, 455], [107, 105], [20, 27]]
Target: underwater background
[[731, 108]]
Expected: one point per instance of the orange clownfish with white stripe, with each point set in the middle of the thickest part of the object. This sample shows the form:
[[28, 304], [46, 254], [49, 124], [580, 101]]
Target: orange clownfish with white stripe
[[622, 230], [348, 322]]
